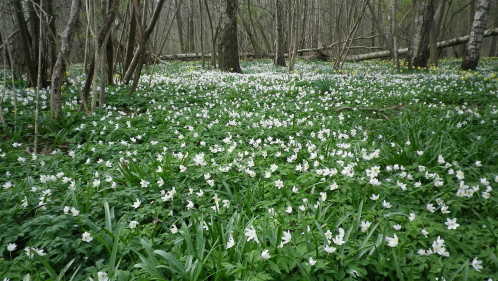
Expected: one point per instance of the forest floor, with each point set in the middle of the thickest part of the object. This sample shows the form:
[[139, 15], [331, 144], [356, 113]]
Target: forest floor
[[370, 173]]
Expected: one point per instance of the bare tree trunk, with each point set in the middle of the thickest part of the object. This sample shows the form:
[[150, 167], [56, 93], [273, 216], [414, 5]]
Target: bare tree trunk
[[434, 33], [213, 37], [25, 42], [179, 25], [131, 40], [60, 64], [492, 49], [304, 17], [394, 32], [191, 29], [53, 51], [473, 48], [380, 29], [38, 82], [201, 37], [279, 42], [34, 28], [293, 34], [419, 49], [99, 49], [343, 52], [250, 34], [228, 46], [4, 90], [137, 61]]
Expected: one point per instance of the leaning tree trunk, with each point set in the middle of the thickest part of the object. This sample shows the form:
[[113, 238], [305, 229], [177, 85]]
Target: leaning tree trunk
[[280, 44], [60, 64], [473, 48], [228, 47], [419, 49]]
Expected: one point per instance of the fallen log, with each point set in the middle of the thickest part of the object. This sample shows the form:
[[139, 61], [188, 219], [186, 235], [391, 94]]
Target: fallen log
[[440, 45], [367, 56]]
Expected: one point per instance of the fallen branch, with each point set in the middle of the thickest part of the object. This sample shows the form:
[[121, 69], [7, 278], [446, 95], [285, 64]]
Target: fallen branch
[[440, 45]]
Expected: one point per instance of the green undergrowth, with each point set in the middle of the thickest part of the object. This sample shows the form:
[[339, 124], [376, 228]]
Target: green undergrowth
[[367, 174]]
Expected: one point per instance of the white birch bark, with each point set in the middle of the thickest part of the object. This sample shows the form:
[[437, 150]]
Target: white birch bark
[[473, 48]]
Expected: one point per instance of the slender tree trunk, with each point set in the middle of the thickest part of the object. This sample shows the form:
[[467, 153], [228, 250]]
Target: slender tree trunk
[[179, 25], [349, 39], [380, 29], [228, 46], [191, 29], [493, 49], [252, 38], [434, 33], [99, 49], [251, 33], [473, 48], [4, 90], [131, 40], [279, 42], [25, 42], [201, 37], [38, 82], [304, 18], [60, 64], [140, 52], [293, 34], [394, 32], [213, 37], [419, 49], [34, 28], [51, 39]]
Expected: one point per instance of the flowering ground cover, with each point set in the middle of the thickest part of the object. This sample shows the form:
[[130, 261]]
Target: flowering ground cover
[[368, 174]]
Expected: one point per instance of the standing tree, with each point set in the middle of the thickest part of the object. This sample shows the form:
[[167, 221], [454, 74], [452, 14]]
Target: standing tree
[[473, 48], [279, 42], [60, 64], [228, 48], [419, 49]]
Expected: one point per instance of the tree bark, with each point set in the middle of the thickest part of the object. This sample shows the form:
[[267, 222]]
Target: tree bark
[[293, 32], [50, 12], [380, 29], [191, 28], [492, 49], [279, 42], [473, 48], [179, 25], [434, 33], [419, 49], [26, 47], [142, 47], [101, 39], [228, 47], [60, 64], [130, 45], [394, 32]]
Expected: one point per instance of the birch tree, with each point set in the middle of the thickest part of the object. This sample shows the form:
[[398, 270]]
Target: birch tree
[[473, 48], [419, 49]]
